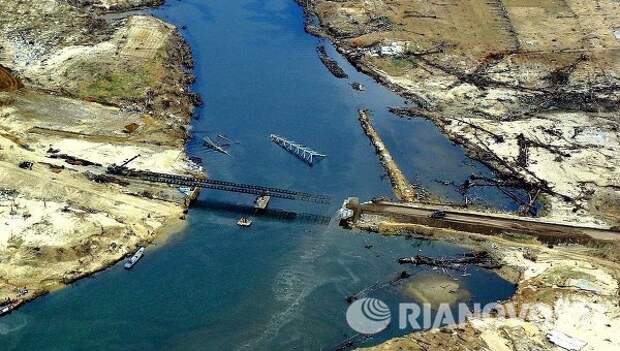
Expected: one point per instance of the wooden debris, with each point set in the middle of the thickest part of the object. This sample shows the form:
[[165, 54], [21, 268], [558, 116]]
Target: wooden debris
[[401, 276], [480, 258]]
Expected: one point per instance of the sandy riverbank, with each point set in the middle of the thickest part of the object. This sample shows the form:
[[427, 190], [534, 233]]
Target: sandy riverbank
[[80, 91]]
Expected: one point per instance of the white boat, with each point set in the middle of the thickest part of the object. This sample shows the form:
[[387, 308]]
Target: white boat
[[135, 258], [244, 222], [9, 306]]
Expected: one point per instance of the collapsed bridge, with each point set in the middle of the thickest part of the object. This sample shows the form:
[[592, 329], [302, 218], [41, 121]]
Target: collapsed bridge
[[188, 181]]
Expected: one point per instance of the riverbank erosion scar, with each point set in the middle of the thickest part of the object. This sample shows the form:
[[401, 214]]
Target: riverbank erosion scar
[[542, 75], [80, 90]]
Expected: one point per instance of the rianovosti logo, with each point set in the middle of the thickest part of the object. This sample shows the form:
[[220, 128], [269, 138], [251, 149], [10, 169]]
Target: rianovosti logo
[[369, 316]]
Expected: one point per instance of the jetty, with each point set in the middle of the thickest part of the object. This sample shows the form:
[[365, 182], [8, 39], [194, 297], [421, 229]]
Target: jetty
[[302, 152], [331, 64]]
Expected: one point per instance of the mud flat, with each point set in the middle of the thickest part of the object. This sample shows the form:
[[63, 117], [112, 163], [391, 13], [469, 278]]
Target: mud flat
[[566, 289], [492, 73], [78, 92]]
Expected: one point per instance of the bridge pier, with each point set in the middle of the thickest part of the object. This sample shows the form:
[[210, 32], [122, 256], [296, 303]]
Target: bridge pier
[[261, 202]]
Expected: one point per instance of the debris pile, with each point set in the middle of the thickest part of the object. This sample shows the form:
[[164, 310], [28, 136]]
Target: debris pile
[[480, 258]]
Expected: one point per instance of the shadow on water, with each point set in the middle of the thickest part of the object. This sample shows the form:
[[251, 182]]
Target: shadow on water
[[282, 284], [268, 214]]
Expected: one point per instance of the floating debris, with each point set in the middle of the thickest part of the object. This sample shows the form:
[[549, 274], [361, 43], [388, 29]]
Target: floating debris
[[379, 285], [219, 147], [481, 258], [358, 86]]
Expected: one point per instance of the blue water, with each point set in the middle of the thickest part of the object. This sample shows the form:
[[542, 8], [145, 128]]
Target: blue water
[[280, 284]]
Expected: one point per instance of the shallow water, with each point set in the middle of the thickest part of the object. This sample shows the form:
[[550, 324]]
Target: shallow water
[[280, 284]]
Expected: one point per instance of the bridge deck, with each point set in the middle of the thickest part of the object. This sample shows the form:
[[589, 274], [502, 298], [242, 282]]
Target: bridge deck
[[218, 185]]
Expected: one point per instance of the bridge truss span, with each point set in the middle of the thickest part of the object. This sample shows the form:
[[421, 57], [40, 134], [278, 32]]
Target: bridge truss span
[[215, 184]]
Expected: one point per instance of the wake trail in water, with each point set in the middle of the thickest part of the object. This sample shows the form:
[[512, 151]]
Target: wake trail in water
[[16, 323], [294, 284]]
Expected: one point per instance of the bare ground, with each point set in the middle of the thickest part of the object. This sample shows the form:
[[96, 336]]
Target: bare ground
[[487, 72], [574, 290], [80, 91], [531, 88]]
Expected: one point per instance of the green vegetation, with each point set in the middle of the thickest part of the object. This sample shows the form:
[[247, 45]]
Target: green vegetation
[[113, 81], [119, 82], [395, 66]]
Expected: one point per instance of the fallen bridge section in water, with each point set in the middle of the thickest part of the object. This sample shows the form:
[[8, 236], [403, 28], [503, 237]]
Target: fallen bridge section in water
[[205, 183], [448, 217]]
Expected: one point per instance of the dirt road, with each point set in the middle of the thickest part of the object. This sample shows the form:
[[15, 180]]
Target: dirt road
[[486, 223]]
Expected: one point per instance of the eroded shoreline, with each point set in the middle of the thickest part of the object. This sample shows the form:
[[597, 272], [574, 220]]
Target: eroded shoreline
[[536, 103], [85, 91], [560, 100]]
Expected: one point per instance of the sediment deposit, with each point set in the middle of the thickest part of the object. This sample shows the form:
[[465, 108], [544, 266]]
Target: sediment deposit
[[567, 289], [531, 88], [80, 90]]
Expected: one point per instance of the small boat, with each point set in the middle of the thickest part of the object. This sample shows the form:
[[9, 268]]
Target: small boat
[[9, 306], [134, 259], [244, 222]]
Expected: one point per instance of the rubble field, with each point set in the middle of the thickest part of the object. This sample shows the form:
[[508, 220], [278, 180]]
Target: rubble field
[[568, 289]]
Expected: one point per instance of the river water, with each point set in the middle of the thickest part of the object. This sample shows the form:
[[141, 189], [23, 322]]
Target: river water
[[280, 284]]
